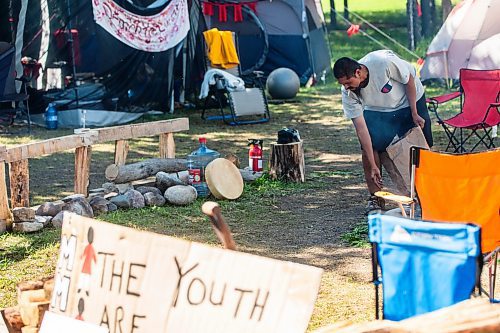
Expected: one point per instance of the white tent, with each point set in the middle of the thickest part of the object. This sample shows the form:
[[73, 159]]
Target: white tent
[[469, 38]]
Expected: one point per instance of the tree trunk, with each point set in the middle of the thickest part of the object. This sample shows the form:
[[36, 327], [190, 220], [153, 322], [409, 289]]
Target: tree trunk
[[346, 10], [287, 162], [427, 23], [120, 174], [333, 15], [413, 24], [446, 4]]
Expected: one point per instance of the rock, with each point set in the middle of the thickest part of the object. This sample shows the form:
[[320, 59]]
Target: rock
[[99, 205], [154, 199], [73, 197], [165, 180], [180, 195], [23, 214], [45, 220], [124, 188], [48, 209], [79, 206], [110, 195], [57, 220], [27, 226], [146, 189], [135, 198], [120, 201], [109, 187], [112, 207], [3, 226]]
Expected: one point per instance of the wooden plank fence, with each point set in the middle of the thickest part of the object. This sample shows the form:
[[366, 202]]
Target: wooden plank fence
[[17, 157]]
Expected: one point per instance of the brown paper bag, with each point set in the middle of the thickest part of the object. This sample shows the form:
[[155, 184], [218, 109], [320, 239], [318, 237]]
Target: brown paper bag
[[399, 153]]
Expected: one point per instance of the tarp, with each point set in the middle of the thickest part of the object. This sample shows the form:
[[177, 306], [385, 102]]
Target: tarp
[[469, 38]]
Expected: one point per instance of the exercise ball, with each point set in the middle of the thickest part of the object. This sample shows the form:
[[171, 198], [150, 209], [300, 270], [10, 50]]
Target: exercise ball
[[283, 83]]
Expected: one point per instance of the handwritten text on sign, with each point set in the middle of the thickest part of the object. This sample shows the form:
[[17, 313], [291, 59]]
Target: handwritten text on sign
[[133, 281]]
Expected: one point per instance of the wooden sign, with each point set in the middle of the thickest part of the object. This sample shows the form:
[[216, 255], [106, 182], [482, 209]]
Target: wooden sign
[[135, 281]]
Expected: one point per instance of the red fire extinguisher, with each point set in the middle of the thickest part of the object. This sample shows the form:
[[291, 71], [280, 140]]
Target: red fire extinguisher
[[255, 155]]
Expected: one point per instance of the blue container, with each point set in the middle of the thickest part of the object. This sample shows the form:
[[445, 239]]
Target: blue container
[[197, 162], [51, 117]]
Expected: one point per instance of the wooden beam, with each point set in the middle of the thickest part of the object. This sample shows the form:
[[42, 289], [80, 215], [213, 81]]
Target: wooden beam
[[167, 145], [47, 147], [121, 151], [141, 130], [19, 183], [5, 213], [92, 137], [82, 169]]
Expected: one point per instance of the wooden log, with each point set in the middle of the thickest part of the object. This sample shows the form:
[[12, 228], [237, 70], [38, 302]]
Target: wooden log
[[82, 169], [167, 145], [5, 213], [287, 162], [121, 151], [120, 174], [19, 184], [13, 319]]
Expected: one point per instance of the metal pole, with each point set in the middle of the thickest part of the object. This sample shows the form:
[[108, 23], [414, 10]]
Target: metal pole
[[73, 65], [11, 23]]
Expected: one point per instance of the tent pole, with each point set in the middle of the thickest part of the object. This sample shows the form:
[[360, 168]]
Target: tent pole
[[182, 97], [447, 70], [11, 24], [72, 49]]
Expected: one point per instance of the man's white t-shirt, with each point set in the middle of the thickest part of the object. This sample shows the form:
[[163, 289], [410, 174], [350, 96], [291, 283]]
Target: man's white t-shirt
[[385, 92]]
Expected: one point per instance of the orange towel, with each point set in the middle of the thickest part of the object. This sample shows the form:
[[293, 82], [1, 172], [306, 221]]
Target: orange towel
[[221, 49]]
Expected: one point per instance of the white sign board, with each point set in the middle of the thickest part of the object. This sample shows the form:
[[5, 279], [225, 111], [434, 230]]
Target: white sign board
[[135, 281]]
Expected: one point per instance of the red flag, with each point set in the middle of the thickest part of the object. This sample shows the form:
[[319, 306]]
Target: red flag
[[222, 13], [352, 30], [419, 9], [238, 16], [252, 6], [208, 8]]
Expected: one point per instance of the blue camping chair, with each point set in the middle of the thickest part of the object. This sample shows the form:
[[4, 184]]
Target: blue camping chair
[[424, 266]]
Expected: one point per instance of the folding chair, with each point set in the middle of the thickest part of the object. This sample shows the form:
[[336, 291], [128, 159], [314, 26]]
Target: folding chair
[[480, 93], [459, 188], [424, 265], [18, 101], [244, 95]]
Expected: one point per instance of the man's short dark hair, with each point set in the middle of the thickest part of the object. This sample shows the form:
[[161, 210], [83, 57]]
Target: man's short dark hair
[[345, 67]]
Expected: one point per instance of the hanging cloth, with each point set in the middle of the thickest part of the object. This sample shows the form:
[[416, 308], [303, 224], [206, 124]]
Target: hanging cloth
[[238, 15], [252, 6], [208, 8], [222, 13], [221, 48]]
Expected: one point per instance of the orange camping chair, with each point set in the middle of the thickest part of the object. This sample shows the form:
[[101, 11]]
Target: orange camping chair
[[479, 111], [461, 188], [458, 188]]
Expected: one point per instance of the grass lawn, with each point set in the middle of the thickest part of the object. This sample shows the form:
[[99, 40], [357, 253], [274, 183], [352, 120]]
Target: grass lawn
[[319, 222]]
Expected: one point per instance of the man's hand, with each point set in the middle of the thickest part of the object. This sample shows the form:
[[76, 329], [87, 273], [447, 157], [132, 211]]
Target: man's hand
[[417, 120], [376, 176]]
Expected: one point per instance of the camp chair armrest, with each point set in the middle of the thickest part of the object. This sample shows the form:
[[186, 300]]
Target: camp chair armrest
[[435, 101], [394, 197], [492, 106]]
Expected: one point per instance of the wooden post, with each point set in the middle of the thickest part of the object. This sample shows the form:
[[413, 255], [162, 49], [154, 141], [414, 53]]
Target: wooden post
[[82, 169], [19, 183], [167, 145], [4, 200], [121, 151], [287, 162]]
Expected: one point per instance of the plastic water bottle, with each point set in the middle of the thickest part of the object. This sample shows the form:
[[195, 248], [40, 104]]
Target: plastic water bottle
[[51, 117], [197, 161]]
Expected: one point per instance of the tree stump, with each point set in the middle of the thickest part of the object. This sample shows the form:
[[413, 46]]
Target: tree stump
[[287, 162]]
